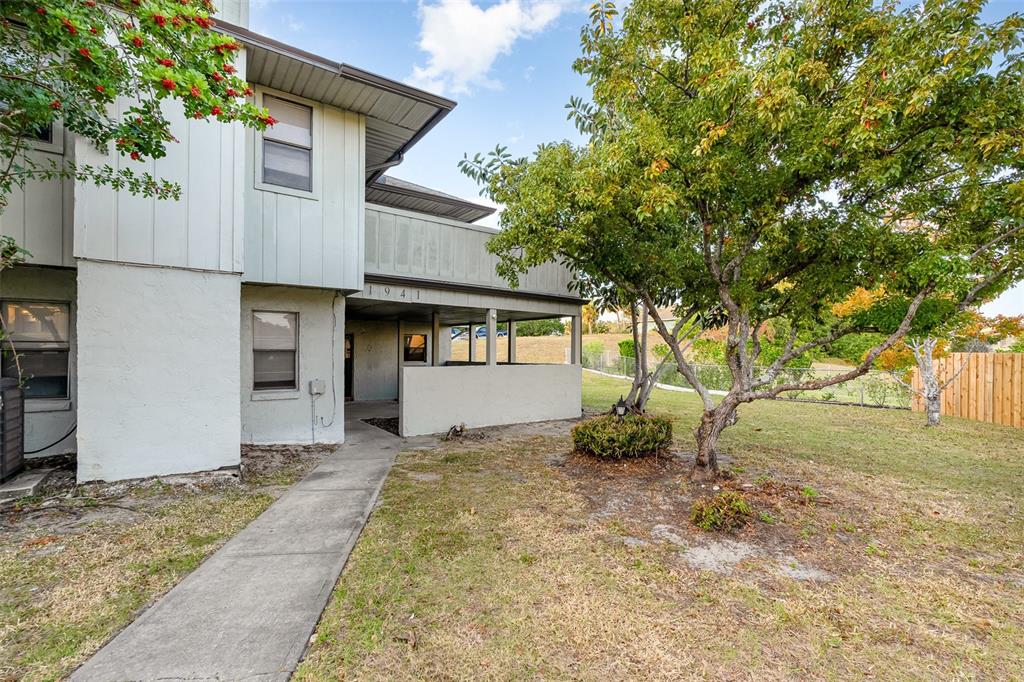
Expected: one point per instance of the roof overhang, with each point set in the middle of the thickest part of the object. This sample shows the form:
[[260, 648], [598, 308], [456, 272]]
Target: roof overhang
[[397, 115], [396, 193]]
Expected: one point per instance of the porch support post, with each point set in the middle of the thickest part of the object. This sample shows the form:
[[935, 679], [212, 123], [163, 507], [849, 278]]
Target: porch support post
[[435, 344], [576, 354], [492, 332], [472, 341], [511, 342]]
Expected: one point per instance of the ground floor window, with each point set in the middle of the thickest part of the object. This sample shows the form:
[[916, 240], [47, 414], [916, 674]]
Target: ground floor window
[[275, 343], [415, 349], [37, 348]]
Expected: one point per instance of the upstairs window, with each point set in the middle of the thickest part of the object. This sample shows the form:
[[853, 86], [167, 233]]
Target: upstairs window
[[39, 344], [288, 145], [275, 342]]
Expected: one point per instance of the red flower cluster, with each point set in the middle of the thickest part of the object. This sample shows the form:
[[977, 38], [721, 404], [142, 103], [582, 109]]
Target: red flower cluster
[[93, 30], [160, 20], [84, 51], [248, 92], [168, 84], [69, 26], [55, 104], [165, 62], [195, 92], [229, 68], [226, 47], [217, 77], [40, 10], [176, 21], [137, 41], [269, 120], [216, 111], [204, 22], [136, 156], [231, 92], [100, 88]]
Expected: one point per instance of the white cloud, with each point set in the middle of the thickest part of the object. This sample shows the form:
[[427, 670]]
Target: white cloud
[[293, 24], [462, 40]]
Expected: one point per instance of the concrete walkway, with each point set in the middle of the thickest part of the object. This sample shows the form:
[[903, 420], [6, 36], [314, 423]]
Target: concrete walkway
[[248, 611]]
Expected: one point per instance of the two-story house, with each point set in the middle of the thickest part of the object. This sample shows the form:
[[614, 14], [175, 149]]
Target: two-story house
[[291, 277]]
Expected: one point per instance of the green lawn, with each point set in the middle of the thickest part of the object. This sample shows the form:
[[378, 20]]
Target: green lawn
[[505, 558]]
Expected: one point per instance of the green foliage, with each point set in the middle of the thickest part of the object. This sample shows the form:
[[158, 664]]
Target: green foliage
[[726, 510], [853, 346], [764, 161], [1017, 346], [540, 328], [660, 350], [610, 437], [69, 62], [627, 348]]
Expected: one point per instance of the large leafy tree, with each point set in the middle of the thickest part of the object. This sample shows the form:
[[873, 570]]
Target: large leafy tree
[[761, 161], [69, 61]]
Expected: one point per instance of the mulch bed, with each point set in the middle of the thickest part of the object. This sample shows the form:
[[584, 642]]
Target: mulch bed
[[389, 424]]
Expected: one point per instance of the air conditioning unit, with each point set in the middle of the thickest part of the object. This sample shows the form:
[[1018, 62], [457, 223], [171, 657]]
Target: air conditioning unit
[[12, 429]]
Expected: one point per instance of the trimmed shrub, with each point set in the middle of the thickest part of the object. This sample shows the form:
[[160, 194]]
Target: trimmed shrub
[[726, 510], [632, 436], [627, 348], [540, 328]]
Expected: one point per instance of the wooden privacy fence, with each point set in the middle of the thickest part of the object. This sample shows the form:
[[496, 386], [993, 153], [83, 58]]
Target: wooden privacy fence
[[989, 388]]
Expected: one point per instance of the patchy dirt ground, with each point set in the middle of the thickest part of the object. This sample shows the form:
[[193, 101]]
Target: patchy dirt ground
[[503, 555], [78, 562]]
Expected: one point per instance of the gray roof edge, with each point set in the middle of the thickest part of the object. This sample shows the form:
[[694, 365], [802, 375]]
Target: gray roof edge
[[346, 71], [412, 189]]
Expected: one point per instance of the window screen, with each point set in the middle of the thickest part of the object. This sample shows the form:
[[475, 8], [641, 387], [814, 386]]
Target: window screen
[[39, 345], [274, 350], [288, 144], [415, 348]]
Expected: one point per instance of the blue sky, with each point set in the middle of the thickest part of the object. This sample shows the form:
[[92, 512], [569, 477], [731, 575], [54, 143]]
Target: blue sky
[[508, 63]]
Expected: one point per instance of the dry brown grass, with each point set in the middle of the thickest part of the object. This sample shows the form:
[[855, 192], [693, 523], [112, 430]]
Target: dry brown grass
[[520, 561], [537, 349], [78, 566]]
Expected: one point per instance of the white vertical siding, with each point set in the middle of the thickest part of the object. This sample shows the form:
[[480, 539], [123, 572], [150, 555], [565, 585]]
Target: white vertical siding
[[199, 231], [313, 240], [406, 244], [38, 217]]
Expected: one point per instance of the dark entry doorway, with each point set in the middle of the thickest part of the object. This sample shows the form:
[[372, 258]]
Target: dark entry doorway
[[349, 359]]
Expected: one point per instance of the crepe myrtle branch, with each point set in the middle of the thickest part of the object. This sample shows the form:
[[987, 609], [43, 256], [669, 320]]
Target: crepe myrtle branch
[[677, 352], [859, 370], [923, 350]]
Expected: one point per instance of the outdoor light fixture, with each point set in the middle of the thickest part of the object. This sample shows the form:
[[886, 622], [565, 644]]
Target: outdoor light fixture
[[620, 407]]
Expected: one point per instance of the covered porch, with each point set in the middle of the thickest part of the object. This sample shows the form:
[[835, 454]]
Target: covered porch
[[399, 347]]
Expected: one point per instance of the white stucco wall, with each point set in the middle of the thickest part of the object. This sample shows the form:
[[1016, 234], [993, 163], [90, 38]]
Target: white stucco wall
[[47, 419], [292, 416], [433, 399], [158, 358]]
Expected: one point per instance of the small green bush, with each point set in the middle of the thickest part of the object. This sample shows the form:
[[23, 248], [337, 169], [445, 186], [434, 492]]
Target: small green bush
[[726, 510], [634, 435], [627, 348]]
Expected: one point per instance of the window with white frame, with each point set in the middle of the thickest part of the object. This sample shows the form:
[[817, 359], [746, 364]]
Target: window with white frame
[[288, 145], [37, 347], [275, 343]]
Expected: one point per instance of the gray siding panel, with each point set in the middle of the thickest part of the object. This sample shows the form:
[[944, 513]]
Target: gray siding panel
[[310, 239], [402, 243]]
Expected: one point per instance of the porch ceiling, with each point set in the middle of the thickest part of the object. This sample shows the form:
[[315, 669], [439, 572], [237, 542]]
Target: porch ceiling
[[365, 309]]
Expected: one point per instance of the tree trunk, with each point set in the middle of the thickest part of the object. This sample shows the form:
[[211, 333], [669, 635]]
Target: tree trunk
[[712, 423], [924, 352], [933, 407]]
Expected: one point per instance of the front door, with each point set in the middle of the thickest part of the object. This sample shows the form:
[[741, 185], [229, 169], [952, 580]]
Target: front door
[[349, 358]]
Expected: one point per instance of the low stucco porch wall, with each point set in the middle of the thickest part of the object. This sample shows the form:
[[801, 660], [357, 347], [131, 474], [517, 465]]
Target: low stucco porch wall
[[433, 399]]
